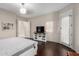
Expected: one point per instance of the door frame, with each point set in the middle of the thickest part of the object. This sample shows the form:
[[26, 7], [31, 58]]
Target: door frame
[[70, 14], [17, 27]]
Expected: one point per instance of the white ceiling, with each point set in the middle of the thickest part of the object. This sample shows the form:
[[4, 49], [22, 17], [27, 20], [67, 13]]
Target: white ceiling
[[34, 9]]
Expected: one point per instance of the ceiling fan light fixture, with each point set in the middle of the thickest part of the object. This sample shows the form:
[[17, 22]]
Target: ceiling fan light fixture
[[23, 10]]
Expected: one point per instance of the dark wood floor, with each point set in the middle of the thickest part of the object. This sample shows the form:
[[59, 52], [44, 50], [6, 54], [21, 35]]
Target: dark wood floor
[[52, 49]]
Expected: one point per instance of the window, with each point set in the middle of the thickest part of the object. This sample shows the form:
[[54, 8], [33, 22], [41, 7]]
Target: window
[[49, 26]]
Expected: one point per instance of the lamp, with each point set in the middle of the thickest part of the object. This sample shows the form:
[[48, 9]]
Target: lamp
[[23, 9]]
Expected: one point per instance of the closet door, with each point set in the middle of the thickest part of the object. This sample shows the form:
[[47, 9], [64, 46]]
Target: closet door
[[23, 28]]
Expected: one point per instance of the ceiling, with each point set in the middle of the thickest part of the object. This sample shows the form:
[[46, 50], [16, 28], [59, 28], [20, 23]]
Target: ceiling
[[33, 9]]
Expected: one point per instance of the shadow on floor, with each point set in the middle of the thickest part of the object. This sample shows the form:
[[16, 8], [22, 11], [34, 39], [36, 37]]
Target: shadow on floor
[[52, 49]]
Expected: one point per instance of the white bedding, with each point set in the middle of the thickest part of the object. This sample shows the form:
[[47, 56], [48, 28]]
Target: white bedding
[[10, 46]]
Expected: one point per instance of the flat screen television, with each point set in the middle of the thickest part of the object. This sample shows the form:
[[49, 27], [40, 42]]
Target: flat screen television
[[40, 29]]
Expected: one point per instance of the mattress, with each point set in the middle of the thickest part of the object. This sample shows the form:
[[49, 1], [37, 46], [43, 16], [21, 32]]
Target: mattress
[[11, 46]]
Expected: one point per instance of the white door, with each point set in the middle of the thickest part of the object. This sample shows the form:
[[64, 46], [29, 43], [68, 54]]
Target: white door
[[23, 28], [66, 31]]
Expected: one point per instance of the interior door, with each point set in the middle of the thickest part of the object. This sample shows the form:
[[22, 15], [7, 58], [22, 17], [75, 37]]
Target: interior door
[[66, 30], [23, 28]]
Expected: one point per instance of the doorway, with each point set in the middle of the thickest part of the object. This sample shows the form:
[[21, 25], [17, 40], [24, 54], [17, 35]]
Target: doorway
[[23, 29], [66, 31]]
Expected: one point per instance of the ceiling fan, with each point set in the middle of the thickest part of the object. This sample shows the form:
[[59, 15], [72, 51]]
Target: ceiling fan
[[23, 10]]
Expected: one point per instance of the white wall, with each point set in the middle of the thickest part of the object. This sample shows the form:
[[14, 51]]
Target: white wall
[[6, 16], [76, 27], [68, 10], [75, 8], [41, 21]]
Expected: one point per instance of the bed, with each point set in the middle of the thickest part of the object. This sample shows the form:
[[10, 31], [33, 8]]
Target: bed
[[18, 46]]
